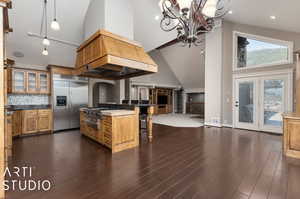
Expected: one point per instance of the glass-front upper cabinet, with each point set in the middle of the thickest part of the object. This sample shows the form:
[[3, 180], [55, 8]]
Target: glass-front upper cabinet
[[44, 86], [19, 81], [32, 86]]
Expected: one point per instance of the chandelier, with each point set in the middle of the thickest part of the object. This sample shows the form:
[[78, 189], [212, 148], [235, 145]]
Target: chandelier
[[191, 18]]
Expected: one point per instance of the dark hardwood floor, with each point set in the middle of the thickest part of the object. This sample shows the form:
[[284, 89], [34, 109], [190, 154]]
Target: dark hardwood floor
[[206, 163]]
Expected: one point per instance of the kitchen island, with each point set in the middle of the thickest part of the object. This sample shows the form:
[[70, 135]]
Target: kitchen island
[[117, 129]]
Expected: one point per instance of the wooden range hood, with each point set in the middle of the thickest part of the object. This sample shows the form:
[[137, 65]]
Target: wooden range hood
[[108, 56]]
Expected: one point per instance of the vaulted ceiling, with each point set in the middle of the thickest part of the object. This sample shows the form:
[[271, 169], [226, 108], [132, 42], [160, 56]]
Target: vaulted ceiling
[[258, 12], [26, 17]]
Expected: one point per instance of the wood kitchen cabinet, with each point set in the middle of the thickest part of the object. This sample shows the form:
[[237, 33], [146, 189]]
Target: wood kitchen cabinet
[[30, 121], [291, 135], [44, 120], [117, 132], [17, 123], [35, 121], [16, 81], [8, 137], [32, 82], [44, 83], [24, 81]]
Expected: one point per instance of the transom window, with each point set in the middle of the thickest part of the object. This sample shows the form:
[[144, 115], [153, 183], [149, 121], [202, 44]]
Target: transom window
[[252, 51]]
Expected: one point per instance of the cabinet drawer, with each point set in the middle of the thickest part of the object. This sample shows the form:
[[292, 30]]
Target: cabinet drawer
[[107, 128], [45, 111], [107, 135], [30, 113], [107, 120]]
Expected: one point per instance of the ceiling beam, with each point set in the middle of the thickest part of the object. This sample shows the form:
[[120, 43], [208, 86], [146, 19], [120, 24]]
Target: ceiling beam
[[170, 43]]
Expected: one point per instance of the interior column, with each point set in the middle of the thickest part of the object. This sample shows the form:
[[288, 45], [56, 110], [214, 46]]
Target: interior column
[[213, 78]]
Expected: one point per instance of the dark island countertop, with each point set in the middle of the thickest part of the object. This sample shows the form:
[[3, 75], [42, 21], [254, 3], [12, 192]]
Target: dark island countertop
[[27, 107]]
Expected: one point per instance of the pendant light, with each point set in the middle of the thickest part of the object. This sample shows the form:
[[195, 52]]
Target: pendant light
[[54, 24], [45, 52], [46, 41]]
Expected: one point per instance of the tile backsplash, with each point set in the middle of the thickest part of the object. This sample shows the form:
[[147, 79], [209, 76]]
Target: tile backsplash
[[26, 99]]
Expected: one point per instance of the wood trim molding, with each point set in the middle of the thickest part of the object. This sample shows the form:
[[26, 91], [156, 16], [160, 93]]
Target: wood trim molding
[[28, 69], [298, 84], [170, 43], [6, 27], [5, 1], [108, 34], [2, 101], [63, 70]]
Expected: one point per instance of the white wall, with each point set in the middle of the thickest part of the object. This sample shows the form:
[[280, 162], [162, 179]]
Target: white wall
[[227, 75], [94, 18], [119, 17], [188, 65], [213, 78], [164, 76], [112, 15], [228, 28]]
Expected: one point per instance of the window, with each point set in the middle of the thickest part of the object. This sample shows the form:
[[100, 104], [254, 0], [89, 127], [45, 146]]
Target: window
[[251, 51]]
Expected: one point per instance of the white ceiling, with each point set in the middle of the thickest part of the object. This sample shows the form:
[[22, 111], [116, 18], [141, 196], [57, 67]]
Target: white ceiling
[[251, 12], [26, 17], [146, 28], [258, 12]]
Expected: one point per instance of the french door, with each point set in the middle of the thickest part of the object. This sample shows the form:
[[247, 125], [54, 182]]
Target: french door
[[261, 100]]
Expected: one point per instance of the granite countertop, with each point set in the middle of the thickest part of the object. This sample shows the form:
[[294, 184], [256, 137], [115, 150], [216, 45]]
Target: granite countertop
[[114, 112], [143, 105], [27, 107], [117, 112]]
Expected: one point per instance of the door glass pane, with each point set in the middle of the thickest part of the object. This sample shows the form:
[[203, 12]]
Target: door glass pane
[[246, 100], [252, 52], [273, 102]]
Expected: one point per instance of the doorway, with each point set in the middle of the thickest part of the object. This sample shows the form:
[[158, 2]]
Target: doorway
[[260, 100]]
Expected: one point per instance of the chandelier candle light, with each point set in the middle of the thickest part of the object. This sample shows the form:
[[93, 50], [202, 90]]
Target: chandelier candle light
[[191, 18]]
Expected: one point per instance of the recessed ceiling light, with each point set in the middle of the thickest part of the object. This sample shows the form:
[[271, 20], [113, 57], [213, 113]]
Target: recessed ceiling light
[[273, 17], [157, 17], [230, 12]]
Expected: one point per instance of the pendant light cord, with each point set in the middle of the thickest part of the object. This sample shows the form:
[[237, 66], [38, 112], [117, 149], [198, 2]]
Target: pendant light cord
[[42, 22], [46, 20], [54, 9]]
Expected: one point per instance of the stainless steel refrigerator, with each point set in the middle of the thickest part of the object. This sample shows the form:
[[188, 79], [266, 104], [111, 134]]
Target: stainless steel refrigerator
[[69, 95]]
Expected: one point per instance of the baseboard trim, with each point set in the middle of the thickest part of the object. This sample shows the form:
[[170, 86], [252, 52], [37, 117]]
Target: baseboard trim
[[213, 124], [227, 125], [218, 125]]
